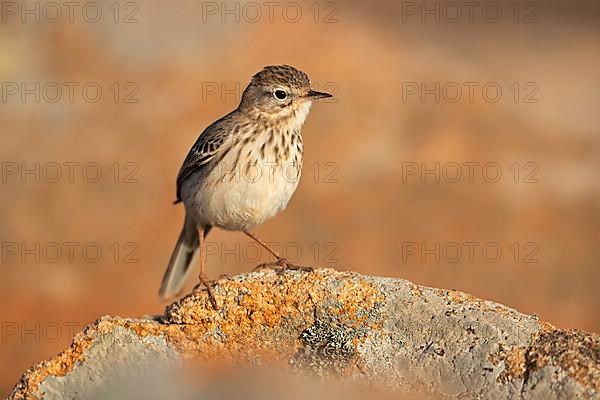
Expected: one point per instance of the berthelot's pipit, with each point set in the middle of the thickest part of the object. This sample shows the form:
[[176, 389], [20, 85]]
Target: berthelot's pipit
[[243, 169]]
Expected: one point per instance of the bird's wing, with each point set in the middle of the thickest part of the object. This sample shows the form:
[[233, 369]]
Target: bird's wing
[[211, 142]]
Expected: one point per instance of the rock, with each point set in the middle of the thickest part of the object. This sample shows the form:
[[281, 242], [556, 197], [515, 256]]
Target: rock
[[335, 326]]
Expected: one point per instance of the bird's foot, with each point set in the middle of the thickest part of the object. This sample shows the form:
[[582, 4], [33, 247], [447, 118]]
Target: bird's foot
[[208, 284], [281, 265], [224, 276]]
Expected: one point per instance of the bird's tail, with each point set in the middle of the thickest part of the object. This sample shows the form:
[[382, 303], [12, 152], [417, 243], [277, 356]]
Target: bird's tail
[[183, 255]]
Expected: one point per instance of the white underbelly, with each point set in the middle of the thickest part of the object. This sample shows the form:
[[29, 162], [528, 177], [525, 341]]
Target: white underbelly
[[245, 198]]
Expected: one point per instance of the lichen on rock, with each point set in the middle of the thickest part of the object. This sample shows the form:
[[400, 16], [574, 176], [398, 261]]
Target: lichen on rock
[[335, 326]]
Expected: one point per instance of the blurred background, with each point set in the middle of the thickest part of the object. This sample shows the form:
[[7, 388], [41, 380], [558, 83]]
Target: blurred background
[[461, 150]]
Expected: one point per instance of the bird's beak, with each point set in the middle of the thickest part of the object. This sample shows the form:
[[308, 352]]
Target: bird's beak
[[313, 95]]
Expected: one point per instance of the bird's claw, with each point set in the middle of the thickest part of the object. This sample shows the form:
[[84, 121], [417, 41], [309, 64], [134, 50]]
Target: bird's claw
[[208, 284], [281, 265]]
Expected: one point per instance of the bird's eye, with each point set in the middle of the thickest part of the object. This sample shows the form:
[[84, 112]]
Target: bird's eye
[[280, 94]]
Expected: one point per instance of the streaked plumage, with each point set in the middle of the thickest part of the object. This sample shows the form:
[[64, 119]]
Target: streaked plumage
[[245, 167]]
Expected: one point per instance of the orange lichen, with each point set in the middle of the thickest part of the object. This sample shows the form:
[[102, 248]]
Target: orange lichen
[[59, 365], [316, 320], [515, 363], [575, 352]]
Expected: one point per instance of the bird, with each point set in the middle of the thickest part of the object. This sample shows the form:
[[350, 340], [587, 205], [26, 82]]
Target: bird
[[242, 170]]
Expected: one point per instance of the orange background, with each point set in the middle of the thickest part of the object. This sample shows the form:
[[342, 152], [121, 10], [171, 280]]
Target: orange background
[[356, 207]]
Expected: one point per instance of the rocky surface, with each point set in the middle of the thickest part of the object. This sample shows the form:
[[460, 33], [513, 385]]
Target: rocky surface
[[335, 326]]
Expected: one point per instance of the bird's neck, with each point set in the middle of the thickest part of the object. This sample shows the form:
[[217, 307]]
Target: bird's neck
[[291, 118]]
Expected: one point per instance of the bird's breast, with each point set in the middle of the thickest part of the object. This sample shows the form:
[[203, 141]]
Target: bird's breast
[[253, 182]]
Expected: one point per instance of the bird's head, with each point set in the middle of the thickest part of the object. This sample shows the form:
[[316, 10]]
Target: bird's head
[[281, 93]]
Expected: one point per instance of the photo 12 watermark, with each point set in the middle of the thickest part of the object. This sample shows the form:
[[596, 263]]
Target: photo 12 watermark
[[69, 92], [71, 252], [325, 253], [37, 332], [53, 12], [46, 332], [454, 12], [470, 91], [68, 172], [469, 172], [270, 12], [225, 92], [471, 252], [272, 171]]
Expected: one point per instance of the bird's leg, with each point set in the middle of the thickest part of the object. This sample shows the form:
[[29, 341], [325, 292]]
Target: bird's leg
[[281, 262], [263, 244], [202, 277]]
